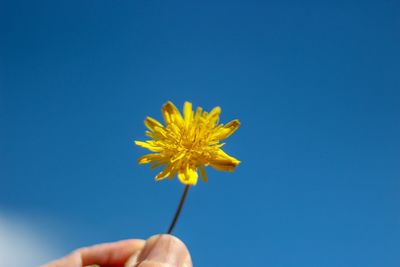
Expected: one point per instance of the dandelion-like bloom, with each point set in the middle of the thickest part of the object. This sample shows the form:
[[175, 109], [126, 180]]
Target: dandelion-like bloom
[[188, 143]]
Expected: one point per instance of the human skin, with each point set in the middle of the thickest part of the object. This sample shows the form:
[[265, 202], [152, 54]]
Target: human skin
[[157, 251]]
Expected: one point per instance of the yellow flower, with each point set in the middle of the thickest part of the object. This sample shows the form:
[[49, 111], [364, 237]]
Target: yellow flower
[[185, 145]]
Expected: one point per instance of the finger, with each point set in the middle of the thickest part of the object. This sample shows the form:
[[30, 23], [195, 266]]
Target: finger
[[162, 251], [111, 253]]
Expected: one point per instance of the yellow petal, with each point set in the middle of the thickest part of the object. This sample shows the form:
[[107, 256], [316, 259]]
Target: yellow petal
[[213, 117], [223, 165], [152, 124], [203, 173], [198, 112], [224, 155], [178, 156], [149, 158], [188, 176], [187, 113], [223, 162], [171, 114], [173, 172], [150, 145], [164, 173], [158, 134], [227, 130], [215, 112]]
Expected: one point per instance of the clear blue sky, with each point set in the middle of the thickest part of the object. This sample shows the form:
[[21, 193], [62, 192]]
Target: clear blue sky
[[315, 85]]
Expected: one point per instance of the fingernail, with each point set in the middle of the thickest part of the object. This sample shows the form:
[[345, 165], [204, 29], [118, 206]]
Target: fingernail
[[165, 249]]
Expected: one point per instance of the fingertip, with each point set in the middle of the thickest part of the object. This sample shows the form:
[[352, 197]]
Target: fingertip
[[162, 251]]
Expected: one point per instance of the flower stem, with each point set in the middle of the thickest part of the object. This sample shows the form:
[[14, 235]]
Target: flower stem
[[178, 210]]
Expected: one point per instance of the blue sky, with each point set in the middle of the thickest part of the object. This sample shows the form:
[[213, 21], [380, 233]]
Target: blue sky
[[316, 86]]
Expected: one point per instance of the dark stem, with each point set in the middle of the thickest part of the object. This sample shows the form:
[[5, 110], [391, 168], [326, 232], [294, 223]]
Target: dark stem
[[178, 210]]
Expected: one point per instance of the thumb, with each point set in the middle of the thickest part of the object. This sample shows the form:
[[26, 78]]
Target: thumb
[[161, 251]]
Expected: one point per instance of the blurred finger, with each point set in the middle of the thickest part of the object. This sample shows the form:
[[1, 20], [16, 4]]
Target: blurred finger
[[109, 254]]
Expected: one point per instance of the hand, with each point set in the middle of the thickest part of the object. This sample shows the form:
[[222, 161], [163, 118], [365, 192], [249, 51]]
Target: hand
[[157, 251]]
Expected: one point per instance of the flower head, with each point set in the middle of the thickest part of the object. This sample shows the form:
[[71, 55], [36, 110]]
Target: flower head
[[188, 143]]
